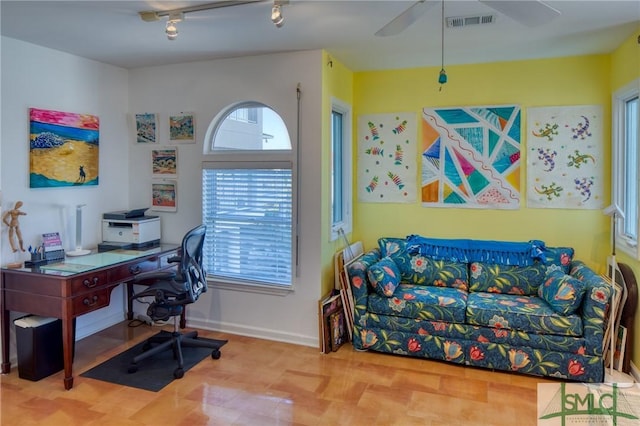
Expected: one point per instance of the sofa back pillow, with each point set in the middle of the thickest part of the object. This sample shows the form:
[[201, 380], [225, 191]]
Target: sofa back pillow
[[507, 279], [417, 269], [560, 257], [562, 292], [384, 276]]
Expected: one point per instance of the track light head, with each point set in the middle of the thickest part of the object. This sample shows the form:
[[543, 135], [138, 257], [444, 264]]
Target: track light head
[[276, 15], [171, 29]]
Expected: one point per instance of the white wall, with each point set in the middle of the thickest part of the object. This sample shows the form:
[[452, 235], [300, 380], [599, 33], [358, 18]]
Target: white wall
[[34, 76], [205, 88]]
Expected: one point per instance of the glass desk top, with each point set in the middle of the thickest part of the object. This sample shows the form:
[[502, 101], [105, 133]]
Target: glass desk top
[[79, 264]]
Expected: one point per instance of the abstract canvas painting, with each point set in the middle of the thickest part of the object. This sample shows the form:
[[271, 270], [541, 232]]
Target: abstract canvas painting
[[471, 157], [387, 169], [565, 167], [63, 149]]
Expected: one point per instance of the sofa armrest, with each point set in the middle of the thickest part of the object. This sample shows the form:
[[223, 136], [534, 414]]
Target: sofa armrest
[[595, 306], [357, 271]]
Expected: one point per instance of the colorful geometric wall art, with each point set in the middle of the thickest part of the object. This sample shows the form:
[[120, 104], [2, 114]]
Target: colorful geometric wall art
[[63, 149], [387, 165], [471, 157], [565, 167]]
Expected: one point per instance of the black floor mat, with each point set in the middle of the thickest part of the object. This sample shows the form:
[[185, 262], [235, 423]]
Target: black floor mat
[[153, 373]]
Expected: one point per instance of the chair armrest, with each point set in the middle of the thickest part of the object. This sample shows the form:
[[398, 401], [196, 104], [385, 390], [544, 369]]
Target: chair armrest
[[175, 259]]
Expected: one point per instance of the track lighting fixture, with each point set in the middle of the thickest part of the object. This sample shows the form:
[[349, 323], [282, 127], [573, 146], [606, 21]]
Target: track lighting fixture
[[177, 15], [171, 30], [276, 15]]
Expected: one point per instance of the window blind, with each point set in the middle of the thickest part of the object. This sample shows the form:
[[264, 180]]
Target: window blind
[[248, 213]]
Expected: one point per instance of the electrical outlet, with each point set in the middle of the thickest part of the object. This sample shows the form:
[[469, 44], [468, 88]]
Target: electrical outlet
[[144, 318]]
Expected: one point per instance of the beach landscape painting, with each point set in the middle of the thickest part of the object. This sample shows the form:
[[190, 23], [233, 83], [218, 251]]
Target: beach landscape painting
[[64, 149]]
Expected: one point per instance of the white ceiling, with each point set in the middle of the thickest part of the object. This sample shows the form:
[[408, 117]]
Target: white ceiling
[[113, 32]]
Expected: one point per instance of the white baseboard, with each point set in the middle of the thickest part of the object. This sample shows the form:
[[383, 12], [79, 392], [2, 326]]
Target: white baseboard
[[87, 329], [635, 372], [260, 333]]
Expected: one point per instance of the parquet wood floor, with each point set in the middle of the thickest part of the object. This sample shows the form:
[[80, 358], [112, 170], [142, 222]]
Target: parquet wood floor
[[260, 382]]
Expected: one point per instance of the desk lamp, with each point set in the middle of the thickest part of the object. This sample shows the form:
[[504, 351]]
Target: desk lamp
[[79, 251]]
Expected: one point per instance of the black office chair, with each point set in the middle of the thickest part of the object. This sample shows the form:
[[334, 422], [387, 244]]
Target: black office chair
[[172, 290]]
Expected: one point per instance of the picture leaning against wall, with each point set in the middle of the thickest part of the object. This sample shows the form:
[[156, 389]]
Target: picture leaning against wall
[[64, 149]]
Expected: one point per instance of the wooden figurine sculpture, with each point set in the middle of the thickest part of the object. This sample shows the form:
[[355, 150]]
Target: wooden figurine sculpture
[[14, 226]]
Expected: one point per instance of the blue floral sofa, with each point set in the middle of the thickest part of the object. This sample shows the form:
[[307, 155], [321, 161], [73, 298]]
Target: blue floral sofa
[[510, 306]]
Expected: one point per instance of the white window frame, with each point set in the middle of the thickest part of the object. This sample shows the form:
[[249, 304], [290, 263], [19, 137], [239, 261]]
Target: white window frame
[[346, 186], [266, 158], [620, 159]]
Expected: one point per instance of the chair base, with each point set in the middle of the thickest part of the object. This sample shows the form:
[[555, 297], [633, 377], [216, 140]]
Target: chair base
[[174, 341]]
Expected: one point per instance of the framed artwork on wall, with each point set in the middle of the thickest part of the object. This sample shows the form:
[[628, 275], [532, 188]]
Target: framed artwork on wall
[[471, 157], [63, 148], [182, 127], [146, 127], [164, 194], [164, 162], [565, 167]]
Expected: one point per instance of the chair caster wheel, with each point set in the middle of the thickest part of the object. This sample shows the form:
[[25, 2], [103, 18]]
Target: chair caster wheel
[[215, 354], [178, 373], [132, 369]]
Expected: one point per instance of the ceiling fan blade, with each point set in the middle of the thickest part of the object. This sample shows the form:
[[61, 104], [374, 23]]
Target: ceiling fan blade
[[530, 13], [406, 18]]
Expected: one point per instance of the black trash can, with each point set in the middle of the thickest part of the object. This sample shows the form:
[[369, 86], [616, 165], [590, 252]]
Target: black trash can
[[39, 347]]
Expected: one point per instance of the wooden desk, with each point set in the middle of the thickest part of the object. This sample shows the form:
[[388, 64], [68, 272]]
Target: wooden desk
[[77, 286]]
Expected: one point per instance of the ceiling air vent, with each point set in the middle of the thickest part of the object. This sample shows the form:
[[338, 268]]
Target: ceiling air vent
[[463, 21]]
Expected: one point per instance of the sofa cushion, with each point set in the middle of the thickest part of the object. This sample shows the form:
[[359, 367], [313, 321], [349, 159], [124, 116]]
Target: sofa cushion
[[384, 276], [562, 292], [507, 279], [421, 302], [417, 269], [558, 257], [524, 313]]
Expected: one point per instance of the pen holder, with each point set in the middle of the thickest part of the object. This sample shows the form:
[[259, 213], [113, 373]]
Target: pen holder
[[37, 259]]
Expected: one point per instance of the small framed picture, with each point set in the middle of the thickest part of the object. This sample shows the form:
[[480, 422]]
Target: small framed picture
[[164, 162], [182, 128], [164, 194], [146, 127]]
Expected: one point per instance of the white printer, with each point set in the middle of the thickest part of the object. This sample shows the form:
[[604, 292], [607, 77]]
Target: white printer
[[129, 229]]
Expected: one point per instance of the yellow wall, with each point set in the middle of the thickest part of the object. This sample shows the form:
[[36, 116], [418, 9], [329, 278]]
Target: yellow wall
[[565, 81], [579, 80], [337, 82], [625, 67]]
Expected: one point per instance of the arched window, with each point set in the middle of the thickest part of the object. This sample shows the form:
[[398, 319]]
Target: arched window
[[248, 197]]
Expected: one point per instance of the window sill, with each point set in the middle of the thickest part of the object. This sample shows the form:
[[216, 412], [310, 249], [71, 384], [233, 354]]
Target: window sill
[[245, 287]]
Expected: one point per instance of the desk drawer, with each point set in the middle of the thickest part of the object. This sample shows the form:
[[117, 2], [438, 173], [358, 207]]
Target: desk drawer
[[126, 272], [91, 301], [88, 281]]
